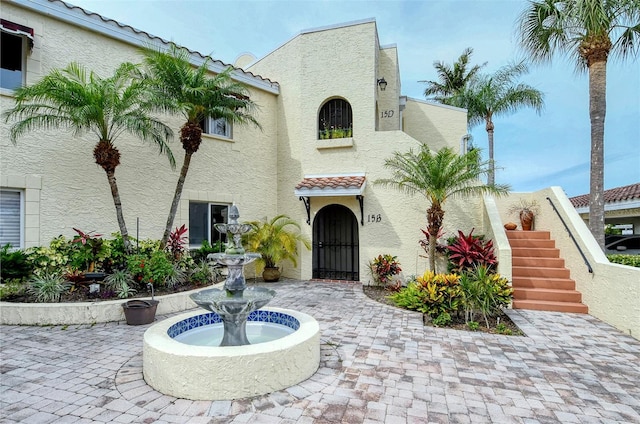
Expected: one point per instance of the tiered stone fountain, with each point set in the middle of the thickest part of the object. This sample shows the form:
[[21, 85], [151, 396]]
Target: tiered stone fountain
[[236, 350]]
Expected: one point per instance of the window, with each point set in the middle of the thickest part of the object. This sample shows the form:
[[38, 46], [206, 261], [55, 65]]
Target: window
[[11, 218], [220, 127], [202, 217], [13, 53], [335, 119]]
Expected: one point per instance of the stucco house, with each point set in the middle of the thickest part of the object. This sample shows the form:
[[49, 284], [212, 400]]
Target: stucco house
[[328, 124]]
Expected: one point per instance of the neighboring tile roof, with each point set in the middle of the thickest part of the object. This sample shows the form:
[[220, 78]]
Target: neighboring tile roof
[[94, 15], [331, 185], [617, 194]]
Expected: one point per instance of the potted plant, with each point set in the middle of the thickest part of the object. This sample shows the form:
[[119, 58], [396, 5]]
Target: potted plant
[[141, 311], [276, 240], [526, 210]]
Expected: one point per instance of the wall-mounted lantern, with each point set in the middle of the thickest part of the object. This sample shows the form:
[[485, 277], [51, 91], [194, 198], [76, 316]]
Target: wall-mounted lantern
[[382, 83]]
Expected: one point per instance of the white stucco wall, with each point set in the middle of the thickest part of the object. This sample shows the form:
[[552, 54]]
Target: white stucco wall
[[307, 82], [437, 125], [260, 168], [73, 190]]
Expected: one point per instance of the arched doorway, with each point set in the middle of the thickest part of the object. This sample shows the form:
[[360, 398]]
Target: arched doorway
[[335, 244]]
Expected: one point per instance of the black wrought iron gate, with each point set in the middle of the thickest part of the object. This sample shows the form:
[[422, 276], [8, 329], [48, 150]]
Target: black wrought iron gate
[[335, 244]]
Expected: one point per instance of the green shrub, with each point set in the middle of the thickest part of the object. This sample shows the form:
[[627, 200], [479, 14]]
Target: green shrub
[[14, 263], [630, 260], [473, 325], [154, 268], [206, 248], [503, 329], [442, 320], [203, 273], [484, 293], [52, 258], [121, 282], [48, 287], [432, 294], [409, 297], [384, 268], [12, 288], [176, 276]]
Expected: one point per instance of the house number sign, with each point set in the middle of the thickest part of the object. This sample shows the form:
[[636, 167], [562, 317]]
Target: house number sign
[[386, 114], [374, 218]]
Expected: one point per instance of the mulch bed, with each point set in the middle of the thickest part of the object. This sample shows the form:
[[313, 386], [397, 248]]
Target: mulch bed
[[81, 293], [380, 294]]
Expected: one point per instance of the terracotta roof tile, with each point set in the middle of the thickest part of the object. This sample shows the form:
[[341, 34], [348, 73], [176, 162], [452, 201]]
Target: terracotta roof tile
[[343, 181], [617, 194]]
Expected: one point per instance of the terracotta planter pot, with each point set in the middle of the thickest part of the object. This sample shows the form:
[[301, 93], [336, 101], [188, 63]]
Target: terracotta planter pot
[[526, 220], [140, 312], [510, 226], [271, 274]]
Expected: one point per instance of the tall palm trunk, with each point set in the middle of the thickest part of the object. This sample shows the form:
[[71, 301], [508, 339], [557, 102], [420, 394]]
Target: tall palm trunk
[[120, 216], [492, 168], [435, 216], [108, 158], [176, 198], [191, 138], [597, 111]]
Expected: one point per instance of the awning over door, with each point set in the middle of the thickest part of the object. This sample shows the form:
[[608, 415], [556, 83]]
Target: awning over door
[[347, 184]]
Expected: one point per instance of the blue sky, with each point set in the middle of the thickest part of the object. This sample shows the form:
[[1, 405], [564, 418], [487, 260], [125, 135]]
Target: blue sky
[[532, 151]]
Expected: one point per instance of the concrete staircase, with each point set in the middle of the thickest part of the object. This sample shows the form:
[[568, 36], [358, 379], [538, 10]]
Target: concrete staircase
[[540, 279]]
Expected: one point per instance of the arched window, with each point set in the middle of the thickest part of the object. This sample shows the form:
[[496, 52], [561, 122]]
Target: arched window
[[335, 119]]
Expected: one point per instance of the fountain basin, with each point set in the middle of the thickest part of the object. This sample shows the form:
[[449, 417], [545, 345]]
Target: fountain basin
[[230, 372]]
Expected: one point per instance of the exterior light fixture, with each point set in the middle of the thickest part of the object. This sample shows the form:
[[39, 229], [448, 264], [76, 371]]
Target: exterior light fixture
[[382, 83]]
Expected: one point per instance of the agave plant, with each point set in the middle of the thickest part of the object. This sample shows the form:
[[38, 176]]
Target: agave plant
[[48, 287], [121, 282]]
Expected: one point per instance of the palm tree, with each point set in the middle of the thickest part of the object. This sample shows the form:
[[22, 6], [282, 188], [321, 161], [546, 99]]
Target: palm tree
[[75, 99], [493, 95], [276, 240], [438, 177], [587, 31], [452, 79], [192, 92]]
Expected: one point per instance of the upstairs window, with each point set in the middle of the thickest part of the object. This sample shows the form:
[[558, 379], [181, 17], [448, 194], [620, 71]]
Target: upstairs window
[[335, 120], [218, 127], [13, 47]]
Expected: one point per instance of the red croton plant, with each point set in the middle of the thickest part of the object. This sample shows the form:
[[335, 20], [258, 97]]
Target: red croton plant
[[468, 252], [177, 241]]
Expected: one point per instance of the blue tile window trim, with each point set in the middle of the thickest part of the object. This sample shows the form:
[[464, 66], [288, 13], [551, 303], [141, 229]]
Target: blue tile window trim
[[213, 318]]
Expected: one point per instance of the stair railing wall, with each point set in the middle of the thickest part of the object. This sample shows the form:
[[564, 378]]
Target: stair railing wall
[[611, 291], [493, 229], [586, 261]]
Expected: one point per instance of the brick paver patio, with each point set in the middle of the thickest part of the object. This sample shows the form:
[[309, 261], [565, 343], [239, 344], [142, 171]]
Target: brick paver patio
[[379, 365]]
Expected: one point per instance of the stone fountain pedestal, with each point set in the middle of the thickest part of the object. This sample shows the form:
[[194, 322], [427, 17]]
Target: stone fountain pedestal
[[236, 368]]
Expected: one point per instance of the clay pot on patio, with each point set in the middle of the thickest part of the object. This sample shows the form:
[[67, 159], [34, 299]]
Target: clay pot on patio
[[510, 226], [271, 274], [140, 312]]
